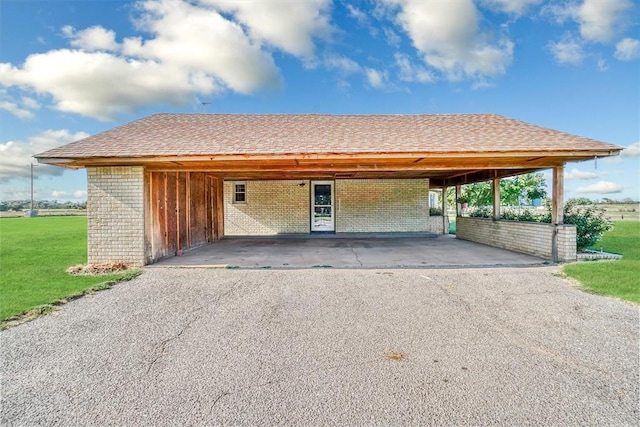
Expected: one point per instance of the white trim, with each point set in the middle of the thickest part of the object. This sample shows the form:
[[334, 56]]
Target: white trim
[[234, 193], [332, 225]]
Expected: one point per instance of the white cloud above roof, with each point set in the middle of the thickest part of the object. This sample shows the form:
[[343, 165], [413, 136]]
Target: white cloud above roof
[[449, 38], [91, 39], [290, 26], [627, 49], [568, 51]]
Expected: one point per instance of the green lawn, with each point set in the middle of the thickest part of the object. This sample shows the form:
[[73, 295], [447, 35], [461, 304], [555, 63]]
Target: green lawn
[[34, 254], [615, 278]]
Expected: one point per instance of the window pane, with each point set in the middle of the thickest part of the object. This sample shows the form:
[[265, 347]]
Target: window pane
[[322, 194]]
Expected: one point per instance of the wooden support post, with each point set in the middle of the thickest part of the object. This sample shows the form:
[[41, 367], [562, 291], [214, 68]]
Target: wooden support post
[[458, 205], [443, 204], [557, 200], [557, 208], [219, 203], [496, 198]]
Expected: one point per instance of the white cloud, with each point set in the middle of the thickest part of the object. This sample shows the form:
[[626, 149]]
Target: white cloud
[[602, 65], [393, 39], [578, 174], [600, 20], [515, 7], [342, 63], [15, 109], [357, 14], [602, 187], [15, 156], [377, 79], [91, 39], [78, 194], [568, 51], [627, 49], [190, 49], [631, 151], [30, 103], [410, 72], [19, 108], [286, 25], [447, 35]]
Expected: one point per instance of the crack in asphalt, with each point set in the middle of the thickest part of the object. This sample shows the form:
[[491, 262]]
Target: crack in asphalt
[[291, 379], [355, 254], [161, 347]]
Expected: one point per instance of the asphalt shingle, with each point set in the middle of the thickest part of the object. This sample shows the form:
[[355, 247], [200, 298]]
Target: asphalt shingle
[[229, 134]]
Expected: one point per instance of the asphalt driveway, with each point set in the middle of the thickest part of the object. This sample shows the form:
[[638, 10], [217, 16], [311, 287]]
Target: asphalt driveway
[[321, 346]]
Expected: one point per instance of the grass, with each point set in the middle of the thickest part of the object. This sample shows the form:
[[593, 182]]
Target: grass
[[34, 256], [614, 278]]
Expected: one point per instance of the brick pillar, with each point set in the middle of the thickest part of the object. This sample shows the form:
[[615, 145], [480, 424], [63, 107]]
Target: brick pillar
[[115, 213]]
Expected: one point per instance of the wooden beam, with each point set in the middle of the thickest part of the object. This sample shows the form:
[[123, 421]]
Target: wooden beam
[[496, 198], [443, 204], [557, 198], [219, 208]]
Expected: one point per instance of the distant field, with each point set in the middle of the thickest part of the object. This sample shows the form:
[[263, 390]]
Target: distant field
[[620, 211], [46, 212], [34, 254], [615, 278]]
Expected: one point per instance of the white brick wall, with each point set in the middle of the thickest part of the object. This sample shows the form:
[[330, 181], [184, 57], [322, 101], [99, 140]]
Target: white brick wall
[[519, 236], [382, 205], [361, 205], [115, 211], [272, 207]]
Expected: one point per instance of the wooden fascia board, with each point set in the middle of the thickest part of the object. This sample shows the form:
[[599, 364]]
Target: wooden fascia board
[[416, 157]]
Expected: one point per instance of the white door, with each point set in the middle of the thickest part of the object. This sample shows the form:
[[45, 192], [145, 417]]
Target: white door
[[322, 212]]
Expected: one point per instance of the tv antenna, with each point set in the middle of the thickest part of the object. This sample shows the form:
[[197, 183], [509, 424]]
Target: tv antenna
[[204, 105]]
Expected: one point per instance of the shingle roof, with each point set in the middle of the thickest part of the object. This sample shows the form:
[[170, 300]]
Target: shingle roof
[[222, 134]]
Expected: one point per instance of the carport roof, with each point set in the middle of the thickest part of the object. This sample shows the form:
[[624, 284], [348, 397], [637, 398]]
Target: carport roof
[[459, 143], [206, 134]]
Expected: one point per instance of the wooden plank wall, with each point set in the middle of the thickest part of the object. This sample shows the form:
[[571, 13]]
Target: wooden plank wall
[[183, 212]]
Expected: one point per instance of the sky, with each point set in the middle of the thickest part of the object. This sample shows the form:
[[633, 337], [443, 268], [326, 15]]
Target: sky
[[70, 69]]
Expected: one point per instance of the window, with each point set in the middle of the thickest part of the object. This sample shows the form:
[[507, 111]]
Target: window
[[239, 192]]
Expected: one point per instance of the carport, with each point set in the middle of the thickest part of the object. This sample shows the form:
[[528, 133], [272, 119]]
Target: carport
[[350, 251], [168, 183]]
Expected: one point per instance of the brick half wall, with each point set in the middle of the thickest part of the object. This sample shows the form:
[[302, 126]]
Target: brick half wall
[[525, 237], [115, 214]]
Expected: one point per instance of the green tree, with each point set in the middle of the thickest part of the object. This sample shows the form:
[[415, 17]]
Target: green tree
[[514, 189]]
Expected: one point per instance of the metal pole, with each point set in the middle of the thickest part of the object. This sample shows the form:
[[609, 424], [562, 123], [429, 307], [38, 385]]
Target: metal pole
[[31, 187]]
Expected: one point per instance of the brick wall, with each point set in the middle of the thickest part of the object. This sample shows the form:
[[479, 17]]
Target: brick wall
[[361, 205], [382, 205], [438, 225], [272, 207], [519, 236], [115, 213]]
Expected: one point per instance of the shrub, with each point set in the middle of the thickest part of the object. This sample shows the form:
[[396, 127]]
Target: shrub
[[590, 221], [435, 212], [481, 212]]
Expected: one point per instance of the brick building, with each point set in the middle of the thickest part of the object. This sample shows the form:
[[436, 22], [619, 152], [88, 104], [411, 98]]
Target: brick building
[[170, 182]]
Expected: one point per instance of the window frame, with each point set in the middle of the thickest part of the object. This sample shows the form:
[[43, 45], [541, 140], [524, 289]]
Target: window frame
[[236, 193]]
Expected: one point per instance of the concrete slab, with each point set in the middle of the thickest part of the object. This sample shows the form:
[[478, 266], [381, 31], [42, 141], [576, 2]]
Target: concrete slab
[[371, 252]]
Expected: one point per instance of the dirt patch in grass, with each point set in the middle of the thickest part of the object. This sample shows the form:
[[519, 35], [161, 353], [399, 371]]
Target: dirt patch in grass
[[97, 269]]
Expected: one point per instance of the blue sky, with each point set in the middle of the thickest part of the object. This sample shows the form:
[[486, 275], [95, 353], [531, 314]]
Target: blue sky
[[69, 69]]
